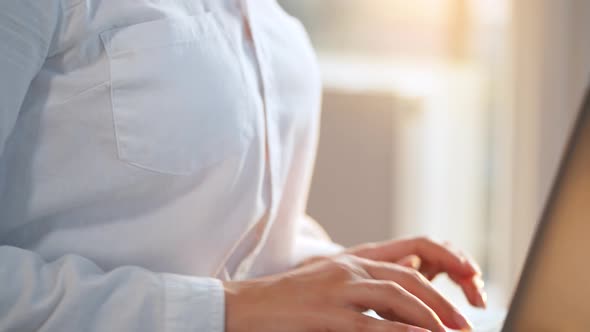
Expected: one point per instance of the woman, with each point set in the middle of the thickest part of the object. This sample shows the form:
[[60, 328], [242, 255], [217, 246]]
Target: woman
[[155, 163]]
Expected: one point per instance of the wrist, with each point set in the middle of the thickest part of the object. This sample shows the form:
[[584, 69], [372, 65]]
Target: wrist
[[247, 304], [231, 291], [240, 305]]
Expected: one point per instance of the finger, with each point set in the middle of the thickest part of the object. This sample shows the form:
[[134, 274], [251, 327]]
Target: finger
[[388, 298], [473, 288], [346, 321], [343, 320], [430, 271], [474, 291], [415, 283], [468, 258], [427, 249], [471, 267], [412, 261]]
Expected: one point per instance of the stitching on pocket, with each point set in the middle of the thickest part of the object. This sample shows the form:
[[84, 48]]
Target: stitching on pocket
[[105, 38], [81, 93]]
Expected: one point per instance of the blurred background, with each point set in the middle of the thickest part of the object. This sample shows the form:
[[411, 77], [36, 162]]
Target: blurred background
[[444, 118]]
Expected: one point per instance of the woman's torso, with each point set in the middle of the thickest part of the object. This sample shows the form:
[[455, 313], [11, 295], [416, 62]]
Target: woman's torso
[[152, 137]]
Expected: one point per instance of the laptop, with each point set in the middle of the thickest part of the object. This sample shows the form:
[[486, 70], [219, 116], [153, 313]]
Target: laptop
[[553, 294]]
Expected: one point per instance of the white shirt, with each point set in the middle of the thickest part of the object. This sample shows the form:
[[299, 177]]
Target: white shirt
[[148, 150]]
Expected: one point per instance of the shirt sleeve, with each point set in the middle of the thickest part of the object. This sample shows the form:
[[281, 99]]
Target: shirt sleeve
[[72, 293], [312, 241]]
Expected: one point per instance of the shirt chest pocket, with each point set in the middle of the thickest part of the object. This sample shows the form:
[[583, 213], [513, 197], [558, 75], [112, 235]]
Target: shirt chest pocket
[[178, 95]]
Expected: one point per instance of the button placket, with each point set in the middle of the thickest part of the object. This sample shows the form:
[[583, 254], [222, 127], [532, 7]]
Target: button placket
[[270, 148], [261, 56]]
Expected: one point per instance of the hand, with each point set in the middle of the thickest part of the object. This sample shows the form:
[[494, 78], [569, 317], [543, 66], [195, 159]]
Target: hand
[[331, 294], [430, 258]]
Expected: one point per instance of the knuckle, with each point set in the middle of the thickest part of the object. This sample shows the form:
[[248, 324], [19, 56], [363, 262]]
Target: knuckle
[[349, 267], [392, 287], [426, 240], [340, 272], [413, 276], [341, 265], [370, 286], [410, 275], [372, 245]]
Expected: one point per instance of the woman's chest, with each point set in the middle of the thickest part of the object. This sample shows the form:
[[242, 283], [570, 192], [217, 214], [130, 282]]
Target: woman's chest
[[169, 79]]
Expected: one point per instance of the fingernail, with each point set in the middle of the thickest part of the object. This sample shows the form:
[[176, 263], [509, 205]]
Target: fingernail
[[478, 282], [463, 322], [482, 299], [473, 266]]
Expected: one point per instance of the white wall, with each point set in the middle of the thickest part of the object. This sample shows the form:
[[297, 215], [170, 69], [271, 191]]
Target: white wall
[[352, 190], [397, 161]]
